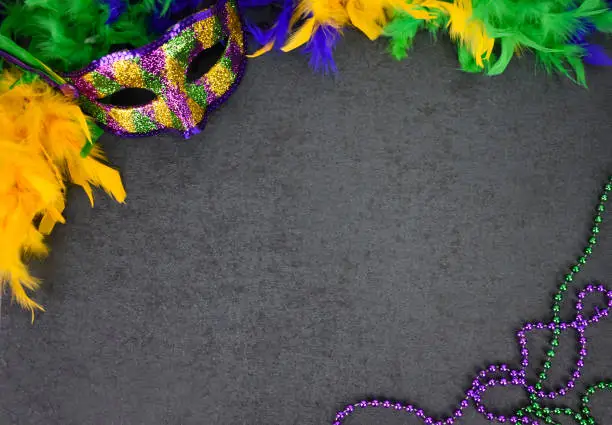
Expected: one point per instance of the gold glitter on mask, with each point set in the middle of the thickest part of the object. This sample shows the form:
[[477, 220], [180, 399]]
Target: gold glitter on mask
[[197, 113], [162, 113], [175, 74], [88, 78], [205, 32], [233, 24], [123, 117], [219, 79], [127, 73]]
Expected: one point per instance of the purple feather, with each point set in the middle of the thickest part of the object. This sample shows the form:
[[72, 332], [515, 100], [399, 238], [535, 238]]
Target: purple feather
[[261, 37], [179, 9], [596, 55], [115, 9], [279, 30], [321, 48]]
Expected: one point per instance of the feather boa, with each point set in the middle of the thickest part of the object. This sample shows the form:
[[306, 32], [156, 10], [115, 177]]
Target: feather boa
[[164, 13], [43, 134], [69, 34], [317, 24], [555, 30]]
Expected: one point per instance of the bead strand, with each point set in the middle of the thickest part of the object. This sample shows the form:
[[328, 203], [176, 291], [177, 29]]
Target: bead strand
[[567, 280], [534, 413]]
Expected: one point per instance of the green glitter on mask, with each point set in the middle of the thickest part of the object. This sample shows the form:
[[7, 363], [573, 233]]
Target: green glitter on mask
[[93, 110], [104, 85], [176, 123], [198, 93], [142, 123], [152, 82], [180, 47], [226, 62]]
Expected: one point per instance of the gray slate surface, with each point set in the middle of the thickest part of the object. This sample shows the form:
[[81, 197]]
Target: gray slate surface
[[384, 232]]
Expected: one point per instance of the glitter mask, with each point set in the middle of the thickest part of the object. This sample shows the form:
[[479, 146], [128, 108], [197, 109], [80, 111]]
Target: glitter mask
[[160, 71]]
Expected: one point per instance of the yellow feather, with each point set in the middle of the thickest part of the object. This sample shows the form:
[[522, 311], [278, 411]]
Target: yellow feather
[[325, 12], [463, 26], [41, 136], [301, 36], [322, 13], [262, 50], [368, 16]]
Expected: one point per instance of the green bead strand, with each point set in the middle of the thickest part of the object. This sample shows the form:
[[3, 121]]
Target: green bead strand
[[558, 298]]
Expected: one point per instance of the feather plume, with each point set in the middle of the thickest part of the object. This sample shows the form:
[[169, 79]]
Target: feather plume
[[470, 31], [326, 18], [403, 28], [69, 34], [115, 9], [556, 31], [276, 36], [545, 27], [169, 12], [370, 16], [318, 24], [16, 54], [320, 47], [41, 140]]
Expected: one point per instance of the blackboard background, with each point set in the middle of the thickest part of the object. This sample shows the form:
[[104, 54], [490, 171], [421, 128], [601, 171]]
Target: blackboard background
[[382, 232]]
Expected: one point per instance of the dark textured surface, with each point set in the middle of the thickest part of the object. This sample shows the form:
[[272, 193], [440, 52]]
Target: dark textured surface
[[381, 233]]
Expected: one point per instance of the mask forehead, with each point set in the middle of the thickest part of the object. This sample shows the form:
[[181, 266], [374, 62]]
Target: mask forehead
[[161, 67]]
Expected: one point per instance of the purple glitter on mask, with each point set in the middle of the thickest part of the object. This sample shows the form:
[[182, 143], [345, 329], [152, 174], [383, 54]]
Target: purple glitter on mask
[[234, 54], [154, 62], [178, 104]]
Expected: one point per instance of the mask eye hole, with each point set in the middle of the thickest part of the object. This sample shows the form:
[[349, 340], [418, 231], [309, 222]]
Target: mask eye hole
[[204, 61], [129, 97]]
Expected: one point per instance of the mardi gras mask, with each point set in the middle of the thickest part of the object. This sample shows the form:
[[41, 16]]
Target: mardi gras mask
[[157, 87]]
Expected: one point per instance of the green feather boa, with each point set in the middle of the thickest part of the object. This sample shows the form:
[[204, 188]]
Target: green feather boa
[[69, 34], [544, 27]]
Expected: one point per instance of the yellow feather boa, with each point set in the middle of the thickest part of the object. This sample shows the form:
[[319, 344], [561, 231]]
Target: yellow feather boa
[[42, 133]]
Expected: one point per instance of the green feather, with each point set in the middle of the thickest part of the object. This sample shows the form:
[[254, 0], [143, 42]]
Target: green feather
[[69, 34], [544, 27], [401, 32], [9, 46], [402, 29]]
